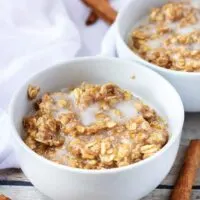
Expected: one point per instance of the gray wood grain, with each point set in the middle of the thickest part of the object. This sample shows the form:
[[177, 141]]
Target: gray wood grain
[[30, 193], [22, 193], [191, 130]]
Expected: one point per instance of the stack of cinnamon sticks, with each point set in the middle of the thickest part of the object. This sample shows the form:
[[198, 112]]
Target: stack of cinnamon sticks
[[100, 9]]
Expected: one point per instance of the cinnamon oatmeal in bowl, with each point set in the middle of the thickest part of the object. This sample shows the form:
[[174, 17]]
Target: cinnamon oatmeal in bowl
[[94, 127], [103, 131], [164, 36], [170, 37]]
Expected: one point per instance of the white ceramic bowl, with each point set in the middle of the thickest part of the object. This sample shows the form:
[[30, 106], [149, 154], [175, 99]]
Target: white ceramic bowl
[[187, 84], [131, 182]]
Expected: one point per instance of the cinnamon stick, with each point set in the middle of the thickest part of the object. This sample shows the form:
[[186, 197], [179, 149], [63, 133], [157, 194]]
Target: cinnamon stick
[[102, 9], [92, 18], [2, 197], [186, 179]]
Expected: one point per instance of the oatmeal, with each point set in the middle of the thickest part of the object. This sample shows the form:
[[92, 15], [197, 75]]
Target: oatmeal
[[94, 127], [170, 36], [32, 92]]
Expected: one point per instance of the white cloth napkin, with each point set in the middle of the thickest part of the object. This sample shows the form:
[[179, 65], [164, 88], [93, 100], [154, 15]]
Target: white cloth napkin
[[47, 32], [31, 32]]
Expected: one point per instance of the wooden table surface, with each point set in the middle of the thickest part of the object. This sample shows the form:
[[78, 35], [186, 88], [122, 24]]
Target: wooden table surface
[[14, 184]]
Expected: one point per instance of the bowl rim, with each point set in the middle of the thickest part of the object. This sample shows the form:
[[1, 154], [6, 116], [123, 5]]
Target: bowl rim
[[20, 142], [135, 56]]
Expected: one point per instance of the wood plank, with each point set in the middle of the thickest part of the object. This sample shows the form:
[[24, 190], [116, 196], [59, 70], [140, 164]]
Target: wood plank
[[164, 195], [22, 193], [12, 174], [30, 193]]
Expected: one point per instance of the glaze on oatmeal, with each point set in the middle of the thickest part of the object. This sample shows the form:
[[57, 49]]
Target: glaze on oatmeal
[[170, 36], [94, 127]]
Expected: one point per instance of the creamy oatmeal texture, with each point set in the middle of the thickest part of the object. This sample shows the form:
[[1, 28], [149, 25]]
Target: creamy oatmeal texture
[[94, 127], [170, 36]]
